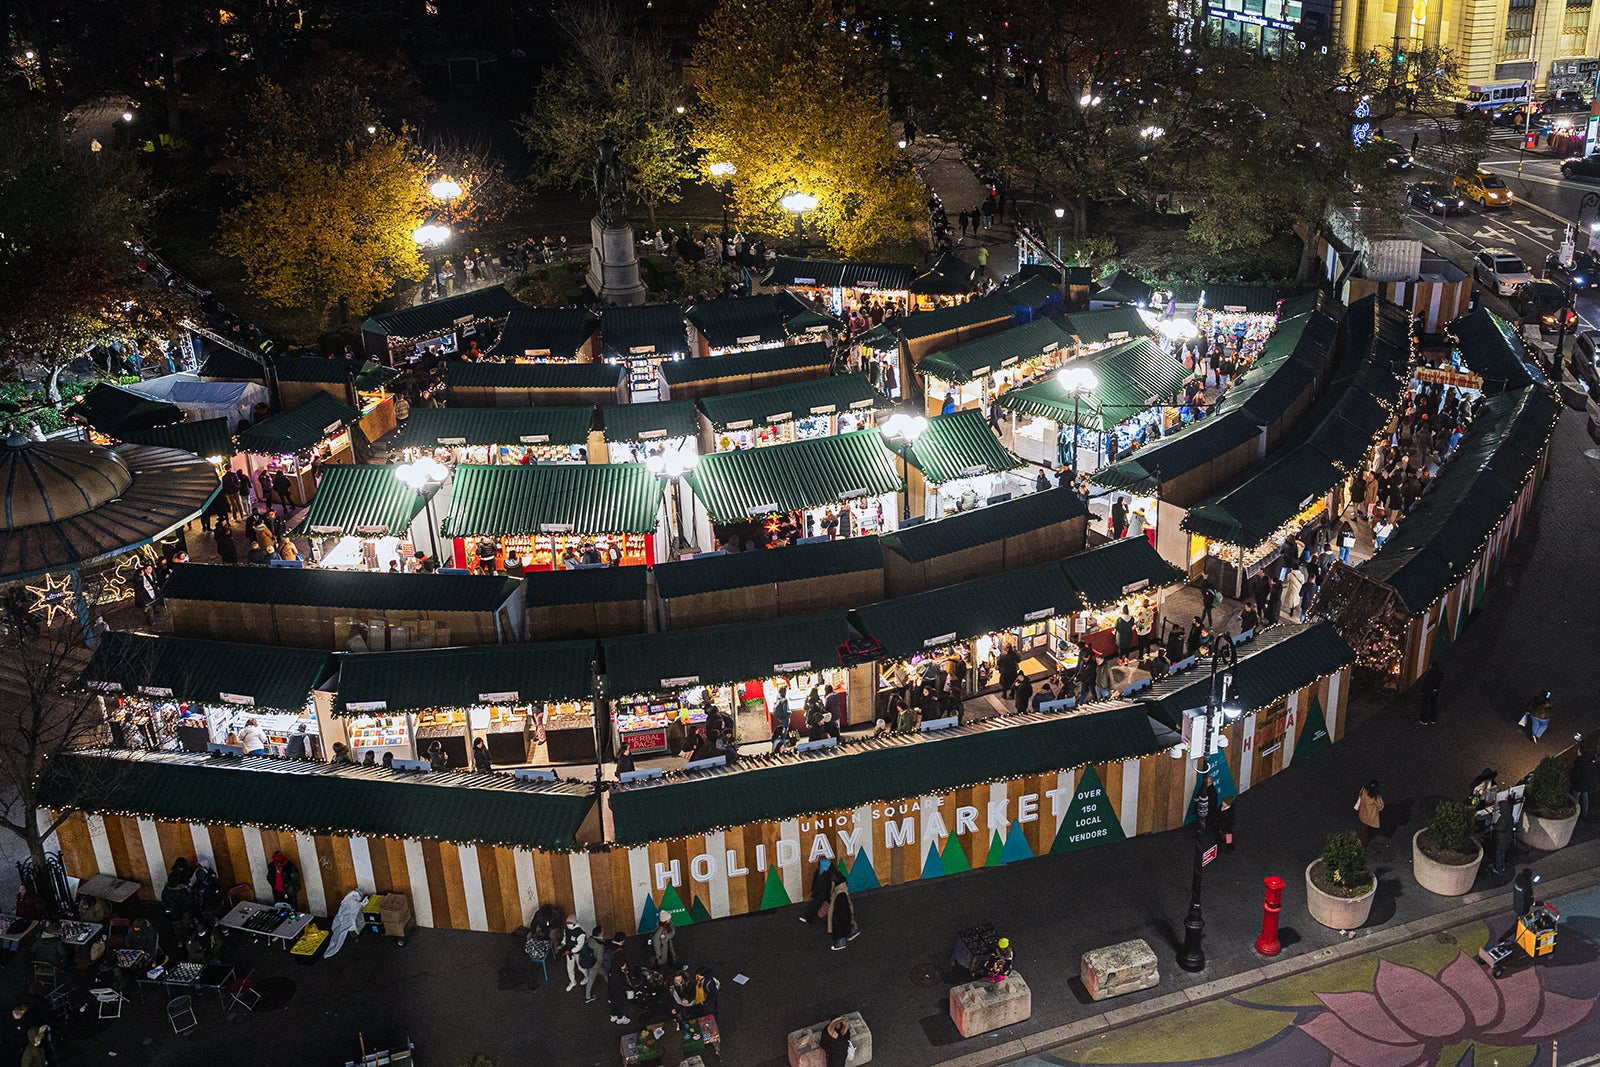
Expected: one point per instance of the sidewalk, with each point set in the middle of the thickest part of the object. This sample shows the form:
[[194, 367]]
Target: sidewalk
[[941, 168]]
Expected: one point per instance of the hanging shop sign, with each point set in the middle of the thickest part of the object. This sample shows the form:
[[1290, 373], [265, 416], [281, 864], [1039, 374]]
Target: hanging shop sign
[[1249, 18], [155, 691], [942, 639], [368, 705], [237, 698], [555, 527], [791, 668], [680, 682], [1134, 587], [1042, 613], [508, 697], [749, 339], [534, 438]]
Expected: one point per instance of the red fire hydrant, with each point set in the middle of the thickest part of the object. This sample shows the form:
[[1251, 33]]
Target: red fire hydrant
[[1267, 943]]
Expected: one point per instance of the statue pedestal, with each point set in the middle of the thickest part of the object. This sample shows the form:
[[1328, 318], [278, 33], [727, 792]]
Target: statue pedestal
[[614, 264]]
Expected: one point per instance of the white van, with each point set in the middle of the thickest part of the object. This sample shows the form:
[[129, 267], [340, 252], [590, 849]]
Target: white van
[[1490, 95]]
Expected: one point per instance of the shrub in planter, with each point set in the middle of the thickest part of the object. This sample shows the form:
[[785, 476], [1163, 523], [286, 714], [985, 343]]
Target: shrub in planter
[[1339, 888], [1444, 857], [1548, 814]]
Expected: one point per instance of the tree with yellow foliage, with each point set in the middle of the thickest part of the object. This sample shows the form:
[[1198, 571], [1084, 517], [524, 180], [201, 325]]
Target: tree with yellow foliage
[[792, 98], [327, 208]]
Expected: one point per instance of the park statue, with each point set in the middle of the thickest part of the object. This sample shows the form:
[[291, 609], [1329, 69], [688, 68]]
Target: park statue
[[611, 183]]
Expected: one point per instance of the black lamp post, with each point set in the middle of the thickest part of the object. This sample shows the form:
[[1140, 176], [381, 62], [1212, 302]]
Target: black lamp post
[[1193, 956]]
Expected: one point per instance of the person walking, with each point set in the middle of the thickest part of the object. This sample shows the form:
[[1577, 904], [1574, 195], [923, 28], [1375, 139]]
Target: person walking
[[841, 914], [573, 940], [1207, 601], [1225, 823], [589, 962], [1369, 809], [1007, 664], [1505, 832], [1536, 720], [1428, 695], [1023, 694], [227, 546], [1585, 778], [821, 882], [661, 949], [253, 739], [1124, 631]]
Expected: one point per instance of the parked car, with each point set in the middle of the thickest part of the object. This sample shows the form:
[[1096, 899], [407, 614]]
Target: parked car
[[1544, 303], [1485, 187], [1513, 115], [1584, 272], [1395, 156], [1584, 360], [1435, 198], [1581, 167], [1500, 269]]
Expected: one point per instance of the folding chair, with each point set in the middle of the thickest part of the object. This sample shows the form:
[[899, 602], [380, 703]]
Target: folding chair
[[117, 936], [242, 994], [180, 1013], [110, 1002], [47, 974], [242, 891]]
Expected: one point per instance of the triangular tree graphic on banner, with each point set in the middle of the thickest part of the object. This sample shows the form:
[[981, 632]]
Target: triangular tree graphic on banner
[[1313, 733], [1016, 847], [1221, 777], [996, 850], [955, 857], [672, 904], [1477, 591], [1441, 641], [1090, 819], [698, 910], [773, 894], [648, 915], [933, 865], [862, 875]]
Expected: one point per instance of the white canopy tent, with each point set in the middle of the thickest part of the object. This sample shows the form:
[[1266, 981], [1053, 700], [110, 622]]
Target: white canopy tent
[[201, 400]]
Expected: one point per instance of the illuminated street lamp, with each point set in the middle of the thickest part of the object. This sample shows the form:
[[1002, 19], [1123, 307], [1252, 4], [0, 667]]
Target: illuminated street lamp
[[905, 429], [1079, 382], [432, 236], [672, 463], [799, 203], [419, 476], [724, 173], [446, 190]]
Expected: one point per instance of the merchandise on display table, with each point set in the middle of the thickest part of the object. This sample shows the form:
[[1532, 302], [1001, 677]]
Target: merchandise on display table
[[370, 554], [544, 552], [380, 733], [804, 428]]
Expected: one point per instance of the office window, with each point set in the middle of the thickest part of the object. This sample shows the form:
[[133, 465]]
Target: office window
[[1575, 28], [1518, 42]]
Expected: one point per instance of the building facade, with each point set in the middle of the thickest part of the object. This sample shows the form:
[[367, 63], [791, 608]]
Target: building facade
[[1543, 41]]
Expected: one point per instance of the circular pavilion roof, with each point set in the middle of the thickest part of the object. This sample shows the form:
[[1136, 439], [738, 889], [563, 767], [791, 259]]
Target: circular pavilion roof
[[69, 504], [48, 481]]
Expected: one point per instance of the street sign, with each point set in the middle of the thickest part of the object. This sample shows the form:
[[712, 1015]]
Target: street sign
[[1209, 855]]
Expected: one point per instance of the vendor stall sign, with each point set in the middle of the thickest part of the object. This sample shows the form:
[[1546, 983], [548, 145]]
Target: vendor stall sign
[[155, 690], [1120, 335], [1447, 377], [782, 416], [866, 283], [852, 494], [237, 698], [452, 440], [1042, 613], [536, 352], [534, 438], [760, 509], [749, 339], [680, 682], [1235, 309], [508, 697], [974, 470], [742, 424], [857, 405], [641, 350], [805, 281], [555, 527], [331, 429], [368, 705], [104, 687], [792, 668], [942, 639], [649, 435], [826, 409], [1134, 587]]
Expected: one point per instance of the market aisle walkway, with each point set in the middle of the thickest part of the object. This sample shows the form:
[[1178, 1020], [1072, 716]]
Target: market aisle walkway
[[463, 994], [941, 168]]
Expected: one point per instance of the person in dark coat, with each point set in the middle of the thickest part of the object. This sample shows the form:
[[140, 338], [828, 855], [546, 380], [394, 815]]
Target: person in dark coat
[[821, 882], [1088, 666], [1585, 778], [1023, 693], [480, 756], [835, 1042], [841, 914], [1224, 823], [1428, 695], [1006, 665], [227, 547]]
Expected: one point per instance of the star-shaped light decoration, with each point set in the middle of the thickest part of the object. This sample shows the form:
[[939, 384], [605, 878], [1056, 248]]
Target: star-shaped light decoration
[[54, 597]]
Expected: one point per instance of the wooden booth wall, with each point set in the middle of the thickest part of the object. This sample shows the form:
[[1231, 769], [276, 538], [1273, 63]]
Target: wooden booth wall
[[306, 626], [741, 383], [1042, 545], [612, 618], [522, 397], [742, 869], [800, 596], [1437, 300], [1431, 632]]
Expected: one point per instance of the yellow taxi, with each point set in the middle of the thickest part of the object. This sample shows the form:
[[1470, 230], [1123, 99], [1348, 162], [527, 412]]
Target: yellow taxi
[[1485, 187]]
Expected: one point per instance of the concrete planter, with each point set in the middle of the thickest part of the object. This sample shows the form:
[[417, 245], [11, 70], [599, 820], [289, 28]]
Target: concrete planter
[[1446, 879], [1547, 835], [1337, 913]]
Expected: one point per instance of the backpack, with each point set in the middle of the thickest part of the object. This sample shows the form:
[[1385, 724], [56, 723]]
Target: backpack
[[586, 957]]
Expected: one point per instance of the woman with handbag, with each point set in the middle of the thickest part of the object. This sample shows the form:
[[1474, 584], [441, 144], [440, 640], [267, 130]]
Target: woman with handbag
[[835, 1042], [841, 914]]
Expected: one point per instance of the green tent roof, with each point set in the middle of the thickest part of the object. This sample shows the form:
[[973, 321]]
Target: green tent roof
[[740, 570], [439, 317], [911, 624], [1132, 376], [355, 590], [735, 652], [539, 333], [1172, 457], [1112, 324], [263, 676], [114, 411], [745, 364], [226, 364], [587, 585], [208, 437], [474, 374], [656, 330], [1253, 511], [1438, 541], [929, 763], [801, 474], [300, 427], [957, 445], [800, 317], [1493, 350], [975, 312], [1316, 300], [460, 677], [428, 427], [614, 498], [1034, 293], [368, 375], [1106, 574], [949, 276], [324, 798], [743, 320], [351, 499], [1284, 658], [969, 529], [649, 422], [840, 274], [994, 352], [793, 400], [1251, 299], [1125, 288]]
